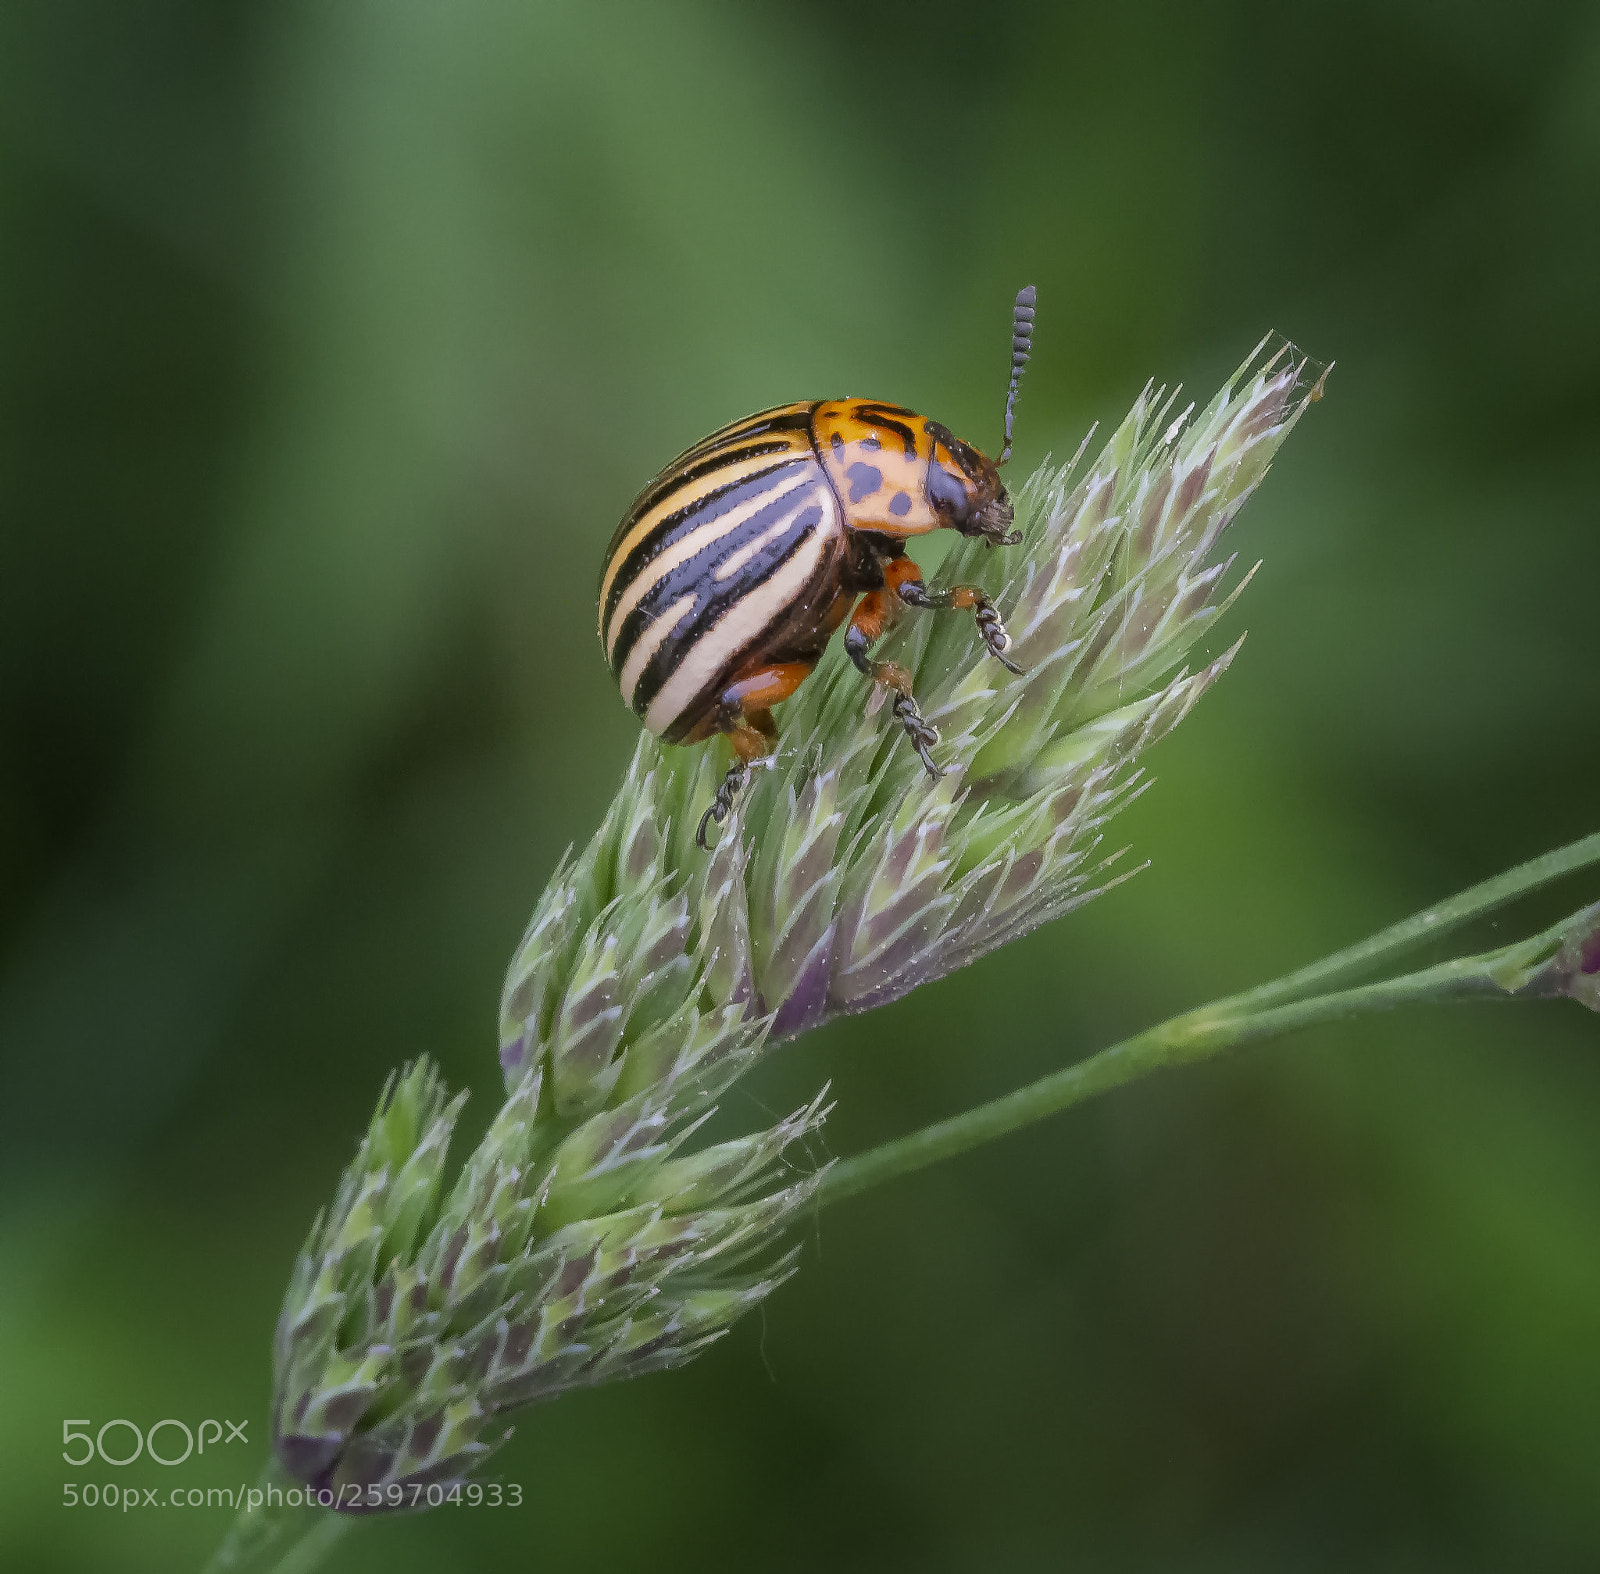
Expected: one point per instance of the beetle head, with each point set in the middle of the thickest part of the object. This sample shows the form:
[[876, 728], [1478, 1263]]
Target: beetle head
[[965, 490]]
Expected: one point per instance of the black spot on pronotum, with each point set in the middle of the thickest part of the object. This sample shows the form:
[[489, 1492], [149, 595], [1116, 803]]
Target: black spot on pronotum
[[883, 416], [900, 505], [864, 480], [871, 444], [837, 443]]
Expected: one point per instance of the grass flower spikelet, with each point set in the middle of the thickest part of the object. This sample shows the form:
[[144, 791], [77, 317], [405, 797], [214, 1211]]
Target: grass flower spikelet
[[592, 1233]]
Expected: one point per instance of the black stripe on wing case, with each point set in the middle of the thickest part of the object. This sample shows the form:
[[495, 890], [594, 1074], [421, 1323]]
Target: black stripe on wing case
[[677, 480], [778, 419], [711, 609], [697, 509], [697, 574]]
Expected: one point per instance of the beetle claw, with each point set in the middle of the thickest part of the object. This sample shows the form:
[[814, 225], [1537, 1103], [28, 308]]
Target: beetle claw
[[722, 804], [728, 793], [995, 636], [922, 733]]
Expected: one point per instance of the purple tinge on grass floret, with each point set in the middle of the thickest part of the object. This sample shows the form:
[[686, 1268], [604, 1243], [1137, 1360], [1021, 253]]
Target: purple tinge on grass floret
[[808, 1001], [562, 1256], [592, 1234], [1574, 970], [1589, 953], [514, 1058]]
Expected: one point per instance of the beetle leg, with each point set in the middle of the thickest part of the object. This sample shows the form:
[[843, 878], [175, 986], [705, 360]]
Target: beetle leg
[[744, 713], [749, 745], [908, 585], [757, 692], [871, 618]]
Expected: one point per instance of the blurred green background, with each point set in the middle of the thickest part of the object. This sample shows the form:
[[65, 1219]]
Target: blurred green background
[[335, 337]]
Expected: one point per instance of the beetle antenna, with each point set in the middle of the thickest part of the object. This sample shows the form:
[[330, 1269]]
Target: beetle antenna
[[1021, 345]]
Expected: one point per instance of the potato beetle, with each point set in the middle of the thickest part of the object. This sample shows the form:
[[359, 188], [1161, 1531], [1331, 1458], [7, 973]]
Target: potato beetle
[[740, 560]]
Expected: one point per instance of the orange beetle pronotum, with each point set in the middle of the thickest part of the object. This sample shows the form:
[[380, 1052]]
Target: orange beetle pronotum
[[735, 566]]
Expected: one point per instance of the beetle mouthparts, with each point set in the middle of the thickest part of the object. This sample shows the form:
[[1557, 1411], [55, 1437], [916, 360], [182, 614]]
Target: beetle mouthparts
[[993, 523]]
